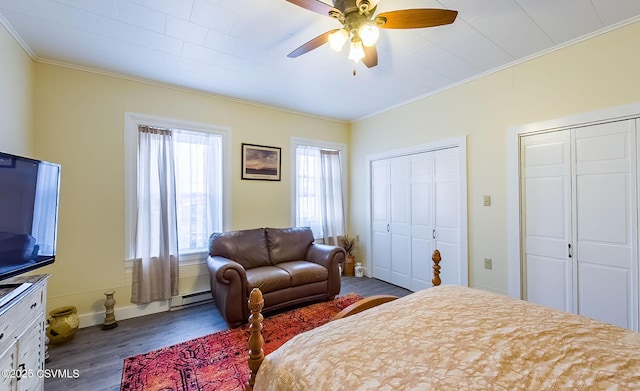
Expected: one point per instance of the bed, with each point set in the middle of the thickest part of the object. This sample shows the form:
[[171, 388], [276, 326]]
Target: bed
[[453, 338]]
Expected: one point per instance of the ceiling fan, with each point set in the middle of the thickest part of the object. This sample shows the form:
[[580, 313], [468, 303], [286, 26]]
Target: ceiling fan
[[361, 27]]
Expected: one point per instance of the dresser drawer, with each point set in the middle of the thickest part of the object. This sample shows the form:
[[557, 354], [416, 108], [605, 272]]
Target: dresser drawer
[[20, 315], [8, 361]]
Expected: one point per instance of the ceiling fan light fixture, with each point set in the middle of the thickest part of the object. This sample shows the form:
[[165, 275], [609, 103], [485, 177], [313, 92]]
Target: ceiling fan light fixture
[[366, 5], [361, 25], [338, 39], [357, 51], [369, 34]]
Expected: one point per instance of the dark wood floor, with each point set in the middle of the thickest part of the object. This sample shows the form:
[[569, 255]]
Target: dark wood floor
[[98, 354]]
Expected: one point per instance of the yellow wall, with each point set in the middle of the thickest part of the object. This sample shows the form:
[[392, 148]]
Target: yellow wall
[[79, 122], [16, 70], [76, 118], [595, 74]]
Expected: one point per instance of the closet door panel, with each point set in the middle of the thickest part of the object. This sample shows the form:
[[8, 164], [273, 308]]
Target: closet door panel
[[604, 201], [446, 194], [447, 214], [606, 221], [603, 294], [547, 220], [548, 272], [421, 263], [603, 228], [422, 220], [604, 148], [381, 256], [401, 261], [548, 228], [449, 267], [380, 228], [400, 217]]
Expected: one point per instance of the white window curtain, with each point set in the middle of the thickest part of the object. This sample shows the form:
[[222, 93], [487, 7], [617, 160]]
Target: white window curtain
[[155, 266], [319, 192], [198, 188], [331, 195]]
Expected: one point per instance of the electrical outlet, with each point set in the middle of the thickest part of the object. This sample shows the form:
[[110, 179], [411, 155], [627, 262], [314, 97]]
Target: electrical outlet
[[487, 263]]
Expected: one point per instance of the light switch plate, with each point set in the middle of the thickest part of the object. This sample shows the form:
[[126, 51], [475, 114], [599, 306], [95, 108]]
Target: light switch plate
[[487, 200]]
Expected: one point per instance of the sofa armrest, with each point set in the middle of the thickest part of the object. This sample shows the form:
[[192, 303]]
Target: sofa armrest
[[228, 281], [325, 255], [330, 257], [223, 269]]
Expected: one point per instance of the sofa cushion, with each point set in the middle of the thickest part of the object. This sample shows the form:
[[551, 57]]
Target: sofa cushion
[[247, 247], [288, 244], [268, 279], [304, 272]]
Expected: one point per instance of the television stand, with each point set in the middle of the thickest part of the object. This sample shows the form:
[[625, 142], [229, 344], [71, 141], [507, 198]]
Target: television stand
[[10, 291], [22, 331]]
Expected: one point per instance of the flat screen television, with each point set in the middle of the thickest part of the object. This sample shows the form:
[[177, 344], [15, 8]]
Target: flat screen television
[[29, 193]]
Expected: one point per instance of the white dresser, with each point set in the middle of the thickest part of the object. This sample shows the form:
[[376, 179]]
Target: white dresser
[[22, 335]]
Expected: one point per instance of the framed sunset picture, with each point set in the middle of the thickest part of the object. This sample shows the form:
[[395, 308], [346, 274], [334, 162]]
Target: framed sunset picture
[[260, 162]]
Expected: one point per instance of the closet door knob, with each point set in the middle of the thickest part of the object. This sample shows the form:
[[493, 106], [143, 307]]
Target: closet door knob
[[388, 228]]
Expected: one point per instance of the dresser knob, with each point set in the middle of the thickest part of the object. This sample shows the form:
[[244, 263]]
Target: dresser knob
[[34, 305]]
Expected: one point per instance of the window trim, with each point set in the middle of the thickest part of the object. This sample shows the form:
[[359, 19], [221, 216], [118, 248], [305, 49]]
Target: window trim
[[298, 141], [131, 122]]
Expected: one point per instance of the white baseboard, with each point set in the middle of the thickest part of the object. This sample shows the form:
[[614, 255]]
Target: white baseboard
[[133, 311], [488, 289], [127, 312]]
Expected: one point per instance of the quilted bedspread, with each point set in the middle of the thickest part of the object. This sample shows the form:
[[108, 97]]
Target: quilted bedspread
[[456, 338]]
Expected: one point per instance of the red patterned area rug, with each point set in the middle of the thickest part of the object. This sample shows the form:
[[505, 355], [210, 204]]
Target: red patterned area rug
[[219, 361]]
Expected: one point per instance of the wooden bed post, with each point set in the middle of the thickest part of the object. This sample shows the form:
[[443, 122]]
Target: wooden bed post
[[256, 342], [436, 268]]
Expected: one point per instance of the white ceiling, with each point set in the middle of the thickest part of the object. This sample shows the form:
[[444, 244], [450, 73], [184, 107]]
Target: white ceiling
[[239, 48]]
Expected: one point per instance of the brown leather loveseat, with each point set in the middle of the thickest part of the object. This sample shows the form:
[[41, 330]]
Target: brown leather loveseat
[[285, 263]]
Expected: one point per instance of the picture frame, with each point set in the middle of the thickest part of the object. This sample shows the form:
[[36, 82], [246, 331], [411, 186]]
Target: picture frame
[[261, 162]]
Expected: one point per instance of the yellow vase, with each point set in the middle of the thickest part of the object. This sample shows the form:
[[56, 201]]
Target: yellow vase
[[63, 324]]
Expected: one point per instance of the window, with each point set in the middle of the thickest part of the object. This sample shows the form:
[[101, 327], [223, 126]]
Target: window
[[309, 209], [318, 187], [200, 155], [198, 163]]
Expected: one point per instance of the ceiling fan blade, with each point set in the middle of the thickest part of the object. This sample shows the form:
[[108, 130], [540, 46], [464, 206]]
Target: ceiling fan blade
[[370, 56], [417, 18], [313, 44], [313, 5]]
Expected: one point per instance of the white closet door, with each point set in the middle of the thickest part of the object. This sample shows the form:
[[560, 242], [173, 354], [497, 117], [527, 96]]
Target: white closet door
[[605, 226], [416, 208], [447, 214], [422, 220], [400, 221], [380, 217], [546, 184], [580, 221]]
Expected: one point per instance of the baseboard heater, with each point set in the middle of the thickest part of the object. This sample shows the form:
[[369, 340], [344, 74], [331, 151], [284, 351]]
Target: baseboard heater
[[190, 299]]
